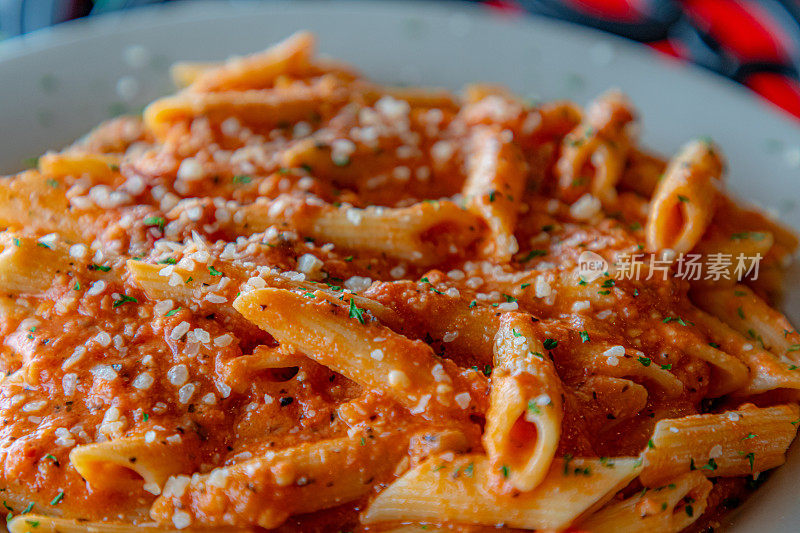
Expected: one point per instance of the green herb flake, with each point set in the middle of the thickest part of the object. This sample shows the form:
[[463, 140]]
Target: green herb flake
[[58, 498], [355, 312], [155, 221], [469, 469], [533, 253], [123, 300], [213, 271], [550, 344], [241, 178], [585, 336]]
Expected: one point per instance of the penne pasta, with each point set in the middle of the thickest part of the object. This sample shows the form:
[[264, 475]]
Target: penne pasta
[[743, 442], [124, 463], [369, 354], [684, 201], [523, 423], [458, 490], [670, 508]]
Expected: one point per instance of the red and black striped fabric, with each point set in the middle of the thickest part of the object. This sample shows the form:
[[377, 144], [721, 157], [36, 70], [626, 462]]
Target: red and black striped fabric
[[756, 43]]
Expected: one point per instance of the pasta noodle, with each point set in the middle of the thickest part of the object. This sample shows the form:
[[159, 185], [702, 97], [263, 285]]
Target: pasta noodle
[[290, 298]]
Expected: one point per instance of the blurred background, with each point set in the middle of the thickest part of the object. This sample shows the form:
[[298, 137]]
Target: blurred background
[[756, 43]]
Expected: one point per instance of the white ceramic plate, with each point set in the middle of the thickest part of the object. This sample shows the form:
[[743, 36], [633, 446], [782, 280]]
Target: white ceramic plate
[[56, 84]]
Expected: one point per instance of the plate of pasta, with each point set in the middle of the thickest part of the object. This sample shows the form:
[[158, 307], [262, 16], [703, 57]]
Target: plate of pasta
[[385, 290]]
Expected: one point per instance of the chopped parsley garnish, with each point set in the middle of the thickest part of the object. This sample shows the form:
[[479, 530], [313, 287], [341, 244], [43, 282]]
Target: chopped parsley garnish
[[524, 285], [604, 292], [585, 336], [348, 259], [533, 407], [650, 444], [492, 195], [52, 458], [677, 319], [487, 370], [714, 345], [52, 183], [740, 312], [472, 304], [533, 253], [58, 498], [645, 361], [355, 312], [666, 367], [27, 509], [550, 344], [751, 458], [213, 271], [101, 268], [683, 198], [173, 312], [504, 470], [123, 300], [516, 333], [241, 178], [469, 469], [168, 261], [43, 245], [509, 298], [608, 283], [155, 221], [711, 465]]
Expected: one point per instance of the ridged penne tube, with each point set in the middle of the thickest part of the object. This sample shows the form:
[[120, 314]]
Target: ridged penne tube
[[258, 70], [269, 488], [28, 202], [642, 172], [593, 356], [267, 107], [601, 142], [684, 201], [319, 157], [744, 311], [459, 491], [742, 251], [667, 509], [35, 523], [496, 171], [523, 422], [184, 73], [239, 370], [421, 234], [100, 168], [121, 464], [728, 373], [735, 443], [29, 266], [439, 315], [342, 338], [153, 281], [767, 371]]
